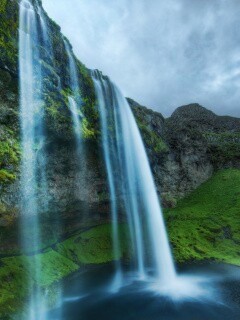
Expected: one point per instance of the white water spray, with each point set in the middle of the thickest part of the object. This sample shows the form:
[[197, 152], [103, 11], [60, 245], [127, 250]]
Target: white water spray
[[74, 100], [102, 90], [33, 164], [136, 183]]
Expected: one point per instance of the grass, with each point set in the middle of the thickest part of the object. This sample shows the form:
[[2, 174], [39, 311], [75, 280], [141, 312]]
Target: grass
[[88, 247], [93, 246], [16, 277], [206, 225], [224, 146]]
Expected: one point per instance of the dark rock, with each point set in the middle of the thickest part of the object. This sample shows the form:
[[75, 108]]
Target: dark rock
[[196, 141]]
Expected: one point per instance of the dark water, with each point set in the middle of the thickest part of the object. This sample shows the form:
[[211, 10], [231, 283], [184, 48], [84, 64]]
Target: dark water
[[216, 296]]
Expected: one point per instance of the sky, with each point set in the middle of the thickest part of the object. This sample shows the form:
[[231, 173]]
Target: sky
[[161, 53]]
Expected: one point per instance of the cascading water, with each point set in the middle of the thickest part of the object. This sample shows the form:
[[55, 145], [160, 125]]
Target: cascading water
[[135, 181], [104, 99], [33, 166], [34, 46], [75, 99]]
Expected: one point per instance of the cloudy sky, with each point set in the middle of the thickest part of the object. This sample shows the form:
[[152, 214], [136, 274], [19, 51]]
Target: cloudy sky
[[162, 53]]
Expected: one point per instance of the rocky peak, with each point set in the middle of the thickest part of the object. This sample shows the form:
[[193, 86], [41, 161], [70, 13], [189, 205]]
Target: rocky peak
[[193, 112], [200, 118]]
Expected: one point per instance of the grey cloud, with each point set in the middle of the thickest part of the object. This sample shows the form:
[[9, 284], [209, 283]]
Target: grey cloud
[[161, 53]]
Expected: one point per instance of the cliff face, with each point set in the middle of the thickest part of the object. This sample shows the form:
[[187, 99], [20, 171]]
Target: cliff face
[[64, 172], [184, 150]]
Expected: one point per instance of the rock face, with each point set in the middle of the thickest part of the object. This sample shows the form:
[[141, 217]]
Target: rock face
[[184, 150], [64, 174], [194, 143]]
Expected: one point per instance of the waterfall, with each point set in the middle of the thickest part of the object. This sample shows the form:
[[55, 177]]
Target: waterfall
[[33, 165], [104, 99], [74, 100], [129, 171]]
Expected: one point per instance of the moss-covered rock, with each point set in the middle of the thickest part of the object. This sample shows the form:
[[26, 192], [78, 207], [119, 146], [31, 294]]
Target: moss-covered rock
[[57, 89], [9, 155], [94, 246], [55, 71], [57, 262], [224, 147], [151, 126], [9, 35], [206, 224]]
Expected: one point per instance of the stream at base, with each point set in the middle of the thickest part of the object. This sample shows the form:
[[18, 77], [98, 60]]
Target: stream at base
[[208, 292]]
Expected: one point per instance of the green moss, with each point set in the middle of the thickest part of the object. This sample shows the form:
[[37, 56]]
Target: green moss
[[223, 146], [151, 139], [91, 121], [57, 108], [93, 246], [160, 146], [9, 156], [9, 152], [54, 110], [87, 130], [57, 104], [13, 285], [54, 267], [57, 113], [6, 176], [206, 225], [89, 247], [9, 33], [3, 6], [223, 136], [16, 277], [88, 98]]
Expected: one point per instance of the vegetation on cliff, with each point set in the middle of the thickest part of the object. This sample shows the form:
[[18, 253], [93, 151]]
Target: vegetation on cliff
[[150, 124], [206, 224], [9, 35], [55, 71], [9, 155], [223, 147]]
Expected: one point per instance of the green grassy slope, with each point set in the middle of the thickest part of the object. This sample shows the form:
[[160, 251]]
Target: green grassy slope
[[206, 225], [84, 248]]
